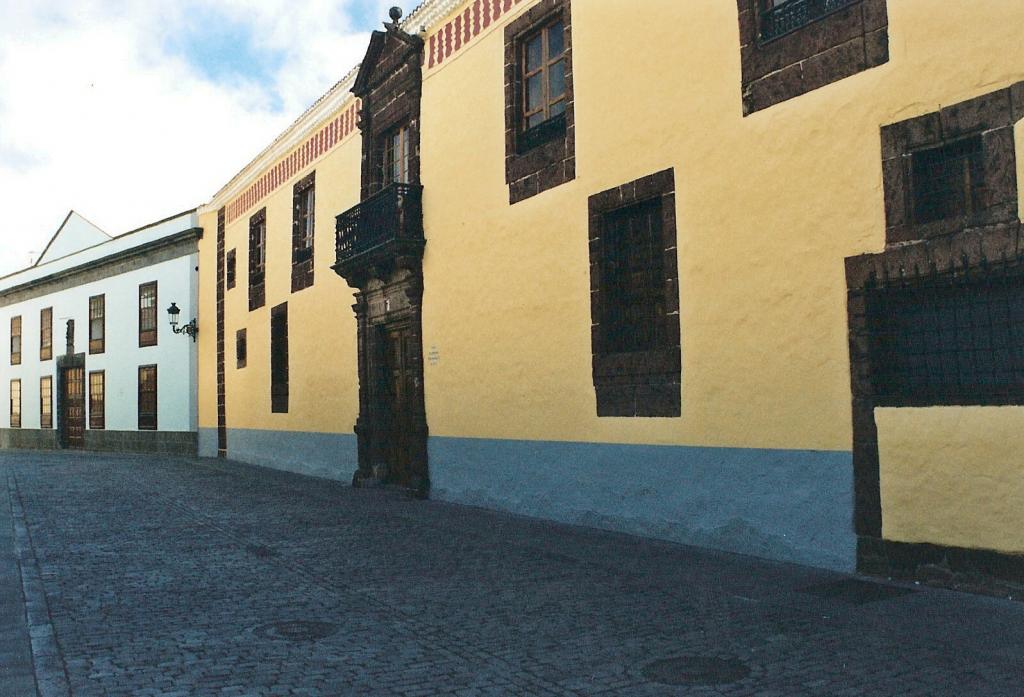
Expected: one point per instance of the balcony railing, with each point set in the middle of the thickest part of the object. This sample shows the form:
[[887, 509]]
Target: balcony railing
[[388, 223], [791, 15]]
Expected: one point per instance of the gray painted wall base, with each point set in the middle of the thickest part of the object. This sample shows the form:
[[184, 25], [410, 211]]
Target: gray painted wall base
[[163, 442], [28, 438], [327, 455], [791, 505]]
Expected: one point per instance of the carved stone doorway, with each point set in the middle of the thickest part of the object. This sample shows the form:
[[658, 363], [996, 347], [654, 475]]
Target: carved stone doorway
[[392, 425]]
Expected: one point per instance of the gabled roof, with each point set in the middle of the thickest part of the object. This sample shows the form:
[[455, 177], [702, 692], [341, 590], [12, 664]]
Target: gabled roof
[[74, 234]]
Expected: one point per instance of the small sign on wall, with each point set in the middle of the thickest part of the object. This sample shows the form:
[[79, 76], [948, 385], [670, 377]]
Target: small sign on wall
[[433, 355]]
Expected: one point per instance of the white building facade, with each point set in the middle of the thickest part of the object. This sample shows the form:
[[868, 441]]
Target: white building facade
[[88, 358]]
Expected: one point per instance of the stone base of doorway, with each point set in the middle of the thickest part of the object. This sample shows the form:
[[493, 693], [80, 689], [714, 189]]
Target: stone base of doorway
[[982, 571]]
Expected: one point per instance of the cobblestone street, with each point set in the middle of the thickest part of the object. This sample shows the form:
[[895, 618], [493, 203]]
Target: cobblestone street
[[163, 576]]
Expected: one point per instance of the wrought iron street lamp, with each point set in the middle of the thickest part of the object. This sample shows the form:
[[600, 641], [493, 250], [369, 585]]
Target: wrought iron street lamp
[[192, 329]]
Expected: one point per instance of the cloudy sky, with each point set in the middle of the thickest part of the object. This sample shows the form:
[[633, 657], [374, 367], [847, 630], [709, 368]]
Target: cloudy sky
[[130, 111]]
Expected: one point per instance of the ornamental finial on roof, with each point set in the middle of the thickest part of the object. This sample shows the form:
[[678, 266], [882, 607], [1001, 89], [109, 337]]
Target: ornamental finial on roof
[[396, 14]]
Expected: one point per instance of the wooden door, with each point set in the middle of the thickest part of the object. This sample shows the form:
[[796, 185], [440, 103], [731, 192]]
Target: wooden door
[[73, 407], [401, 385]]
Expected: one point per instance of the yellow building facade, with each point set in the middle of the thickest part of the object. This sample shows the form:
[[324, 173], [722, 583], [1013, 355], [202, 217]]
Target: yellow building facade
[[628, 265]]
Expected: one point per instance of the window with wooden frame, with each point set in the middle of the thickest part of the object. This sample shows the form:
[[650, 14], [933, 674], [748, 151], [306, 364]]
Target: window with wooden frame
[[241, 349], [303, 224], [97, 410], [15, 403], [230, 270], [279, 359], [147, 314], [16, 340], [46, 334], [540, 132], [97, 323], [542, 79], [395, 146], [46, 402], [147, 398], [257, 258]]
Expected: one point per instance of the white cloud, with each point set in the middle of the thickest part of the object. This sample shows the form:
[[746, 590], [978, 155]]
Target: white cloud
[[99, 113]]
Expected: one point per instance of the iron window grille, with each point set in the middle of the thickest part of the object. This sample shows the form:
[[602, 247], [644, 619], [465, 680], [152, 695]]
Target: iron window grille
[[279, 359], [257, 258], [949, 340], [632, 278], [46, 402], [97, 323], [97, 411], [46, 334], [16, 340], [147, 314], [147, 398], [15, 403], [241, 348], [230, 269], [781, 17], [948, 181]]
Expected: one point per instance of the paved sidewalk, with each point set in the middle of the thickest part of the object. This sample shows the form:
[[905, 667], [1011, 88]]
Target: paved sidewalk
[[167, 576]]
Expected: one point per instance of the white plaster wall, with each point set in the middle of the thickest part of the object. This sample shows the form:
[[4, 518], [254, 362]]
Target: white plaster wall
[[174, 355]]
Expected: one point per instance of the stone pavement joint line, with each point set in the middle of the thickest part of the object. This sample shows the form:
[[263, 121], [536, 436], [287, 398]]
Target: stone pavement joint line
[[50, 672], [168, 576], [17, 675]]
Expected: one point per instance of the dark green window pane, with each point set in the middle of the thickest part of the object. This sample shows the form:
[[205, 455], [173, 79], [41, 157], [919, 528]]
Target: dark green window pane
[[534, 120], [558, 108]]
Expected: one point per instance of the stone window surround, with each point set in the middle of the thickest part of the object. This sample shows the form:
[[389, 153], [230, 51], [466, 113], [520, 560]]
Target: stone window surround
[[257, 272], [956, 246], [838, 45], [643, 383], [553, 162], [991, 116], [302, 260]]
